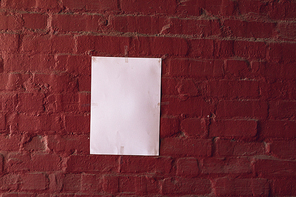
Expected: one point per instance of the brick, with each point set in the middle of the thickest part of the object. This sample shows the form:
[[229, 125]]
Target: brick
[[282, 10], [278, 129], [187, 88], [195, 127], [45, 162], [110, 184], [282, 109], [148, 7], [187, 167], [195, 68], [102, 44], [36, 181], [46, 44], [74, 4], [221, 7], [281, 70], [69, 144], [10, 142], [278, 52], [10, 22], [185, 147], [9, 42], [253, 6], [84, 83], [70, 22], [18, 194], [37, 62], [238, 148], [36, 44], [168, 127], [166, 45], [246, 108], [72, 182], [139, 24], [84, 101], [202, 48], [266, 167], [101, 5], [19, 4], [48, 4], [250, 50], [66, 102], [91, 183], [30, 102], [77, 124], [62, 44], [200, 28], [33, 123], [186, 186], [282, 149], [9, 182], [57, 82], [189, 8], [250, 29], [233, 128], [192, 106], [127, 184], [34, 144], [245, 187], [2, 121], [279, 90], [17, 162], [1, 163], [92, 163], [247, 89], [237, 68], [14, 81], [147, 185], [75, 64], [287, 30], [223, 48], [55, 182], [160, 165], [284, 187], [35, 21], [225, 166], [169, 86]]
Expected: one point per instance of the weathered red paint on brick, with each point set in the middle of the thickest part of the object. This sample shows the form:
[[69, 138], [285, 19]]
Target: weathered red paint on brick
[[33, 181], [186, 186], [187, 167], [284, 186], [228, 96], [270, 167], [242, 108], [35, 21], [186, 147], [227, 147], [234, 128], [248, 187], [241, 165], [195, 127], [282, 149]]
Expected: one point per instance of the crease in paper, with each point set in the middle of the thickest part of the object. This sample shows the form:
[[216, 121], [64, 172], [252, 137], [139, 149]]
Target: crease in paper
[[125, 106]]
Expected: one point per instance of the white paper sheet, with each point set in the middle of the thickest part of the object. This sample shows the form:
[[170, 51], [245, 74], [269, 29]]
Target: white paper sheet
[[125, 106]]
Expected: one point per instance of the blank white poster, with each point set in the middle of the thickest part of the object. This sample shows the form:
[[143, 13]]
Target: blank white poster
[[125, 106]]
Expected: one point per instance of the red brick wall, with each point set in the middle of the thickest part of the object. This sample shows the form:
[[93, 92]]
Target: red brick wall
[[228, 96]]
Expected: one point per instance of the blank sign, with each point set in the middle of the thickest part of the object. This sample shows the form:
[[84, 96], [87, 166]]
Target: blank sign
[[125, 106]]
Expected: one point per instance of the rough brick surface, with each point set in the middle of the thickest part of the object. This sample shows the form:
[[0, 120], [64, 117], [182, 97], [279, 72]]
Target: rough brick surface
[[228, 97]]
